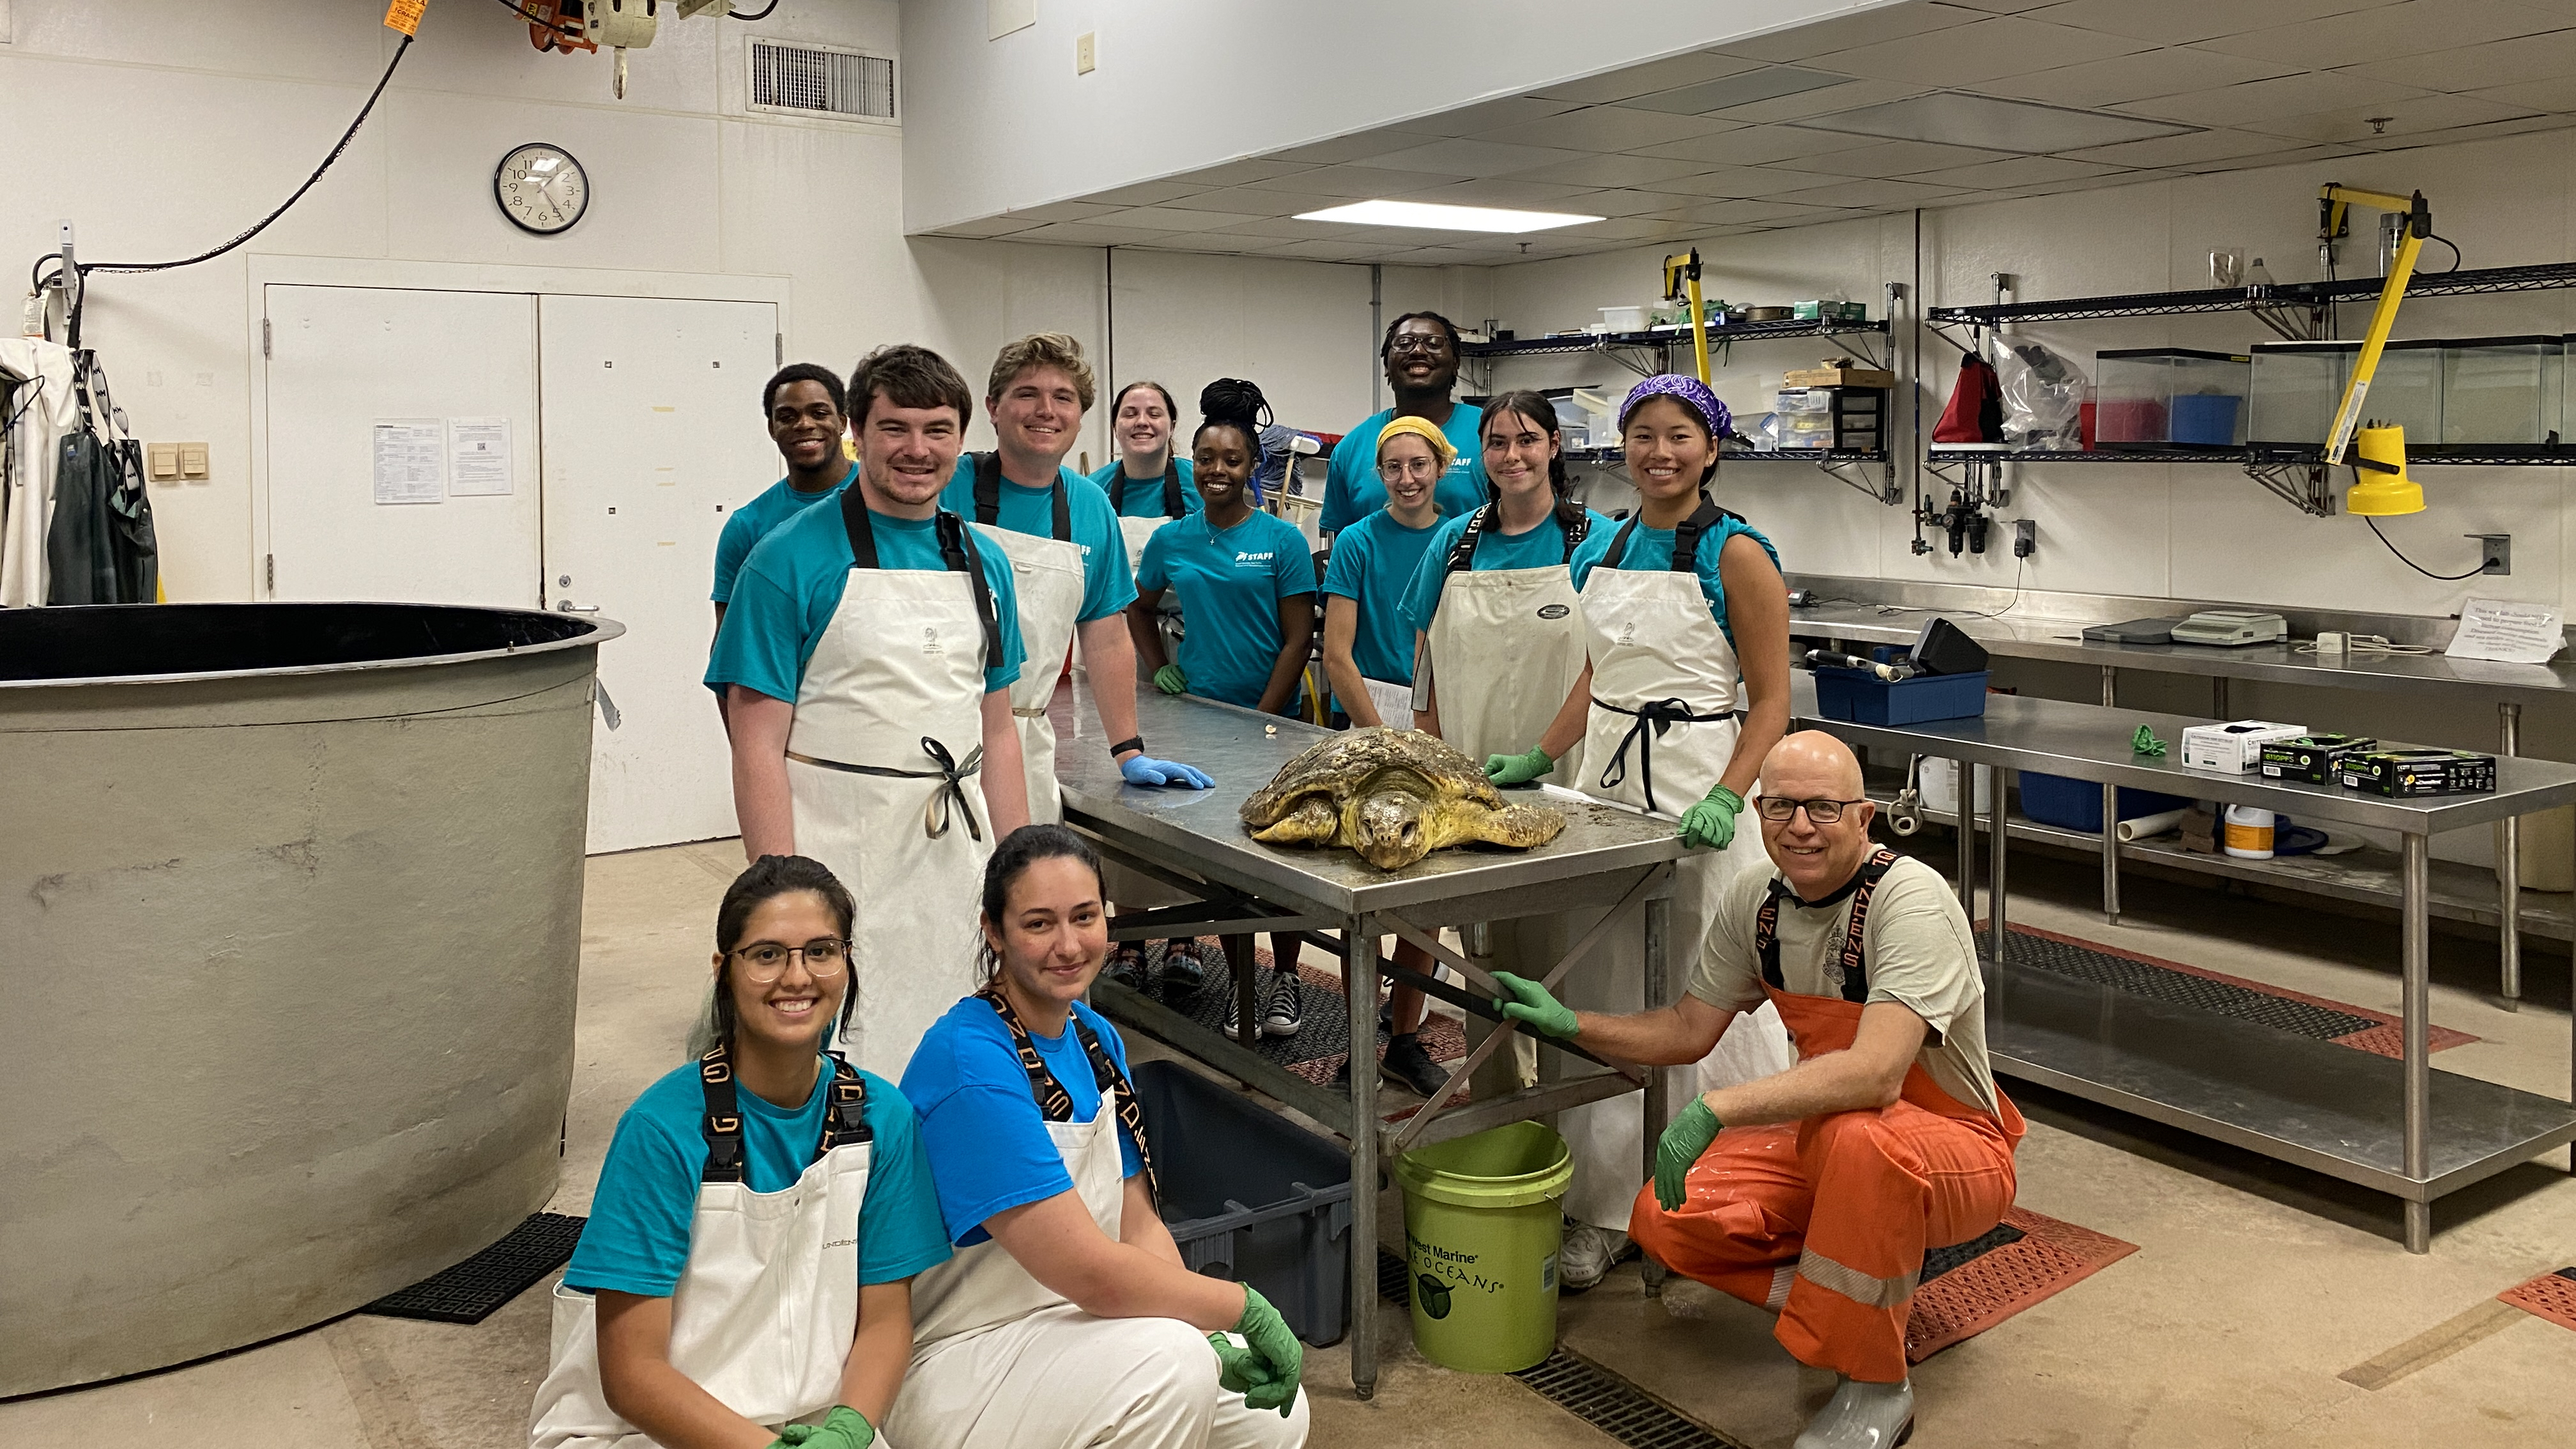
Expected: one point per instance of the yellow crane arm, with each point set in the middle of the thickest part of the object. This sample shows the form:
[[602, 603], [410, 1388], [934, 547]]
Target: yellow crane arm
[[2419, 225], [1681, 276]]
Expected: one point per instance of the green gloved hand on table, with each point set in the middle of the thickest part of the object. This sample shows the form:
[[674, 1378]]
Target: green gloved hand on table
[[843, 1428], [1532, 1006], [1711, 822], [1518, 769], [1680, 1146], [1170, 680], [1276, 1355]]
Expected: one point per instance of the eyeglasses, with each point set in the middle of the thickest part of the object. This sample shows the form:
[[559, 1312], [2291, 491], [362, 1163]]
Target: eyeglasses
[[765, 961], [1418, 342], [1779, 808], [1395, 468]]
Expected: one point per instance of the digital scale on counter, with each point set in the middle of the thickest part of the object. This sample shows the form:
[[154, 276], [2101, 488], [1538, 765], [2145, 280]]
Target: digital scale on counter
[[2226, 628]]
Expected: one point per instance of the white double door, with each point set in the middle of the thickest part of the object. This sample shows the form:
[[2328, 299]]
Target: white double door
[[634, 430]]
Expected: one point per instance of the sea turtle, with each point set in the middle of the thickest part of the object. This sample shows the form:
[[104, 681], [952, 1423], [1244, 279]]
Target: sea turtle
[[1392, 795]]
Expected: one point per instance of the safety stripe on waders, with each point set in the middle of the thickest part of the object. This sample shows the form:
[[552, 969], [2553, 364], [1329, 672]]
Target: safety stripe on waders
[[1766, 928], [844, 1121], [1055, 1104], [988, 497], [1462, 554], [1852, 1283], [1173, 507]]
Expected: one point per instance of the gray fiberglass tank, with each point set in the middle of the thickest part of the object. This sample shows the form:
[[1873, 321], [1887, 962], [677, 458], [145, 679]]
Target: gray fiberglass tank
[[290, 916]]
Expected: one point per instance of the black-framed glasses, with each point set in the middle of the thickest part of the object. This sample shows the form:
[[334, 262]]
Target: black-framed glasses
[[1432, 342], [1779, 808], [765, 961]]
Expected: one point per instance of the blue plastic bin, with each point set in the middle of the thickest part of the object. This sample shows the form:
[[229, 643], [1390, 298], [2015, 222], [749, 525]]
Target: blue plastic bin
[[2205, 420], [1864, 698], [2077, 804]]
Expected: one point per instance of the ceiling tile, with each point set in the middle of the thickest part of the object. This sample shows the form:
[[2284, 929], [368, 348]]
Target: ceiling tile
[[1817, 103], [1780, 213], [1207, 242], [1992, 123], [2364, 125], [1847, 32], [2174, 22], [1622, 228], [2271, 100], [1288, 228], [1886, 194], [1462, 157], [1351, 148], [2136, 77], [1063, 211], [1145, 193], [1599, 171], [1763, 83], [1628, 202], [1966, 54], [1257, 201], [2407, 28], [1755, 180], [1609, 128], [1998, 7], [1488, 115], [1358, 181], [1085, 234], [1541, 196], [1899, 158], [2018, 172], [990, 226], [2189, 150], [2481, 67], [1321, 251], [1242, 173], [1755, 145], [1636, 80], [1174, 219], [2294, 156], [2460, 135], [2539, 95]]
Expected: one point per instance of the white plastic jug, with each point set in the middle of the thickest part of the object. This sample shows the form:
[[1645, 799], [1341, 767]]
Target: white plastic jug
[[2248, 833]]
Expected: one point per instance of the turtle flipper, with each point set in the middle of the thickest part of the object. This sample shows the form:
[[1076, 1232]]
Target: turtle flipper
[[1520, 826], [1313, 822]]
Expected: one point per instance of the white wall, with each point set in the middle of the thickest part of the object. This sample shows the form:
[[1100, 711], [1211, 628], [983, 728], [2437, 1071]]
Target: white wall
[[1008, 125]]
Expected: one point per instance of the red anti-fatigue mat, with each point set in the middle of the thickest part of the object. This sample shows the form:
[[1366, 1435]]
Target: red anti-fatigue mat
[[1966, 1300], [2551, 1296]]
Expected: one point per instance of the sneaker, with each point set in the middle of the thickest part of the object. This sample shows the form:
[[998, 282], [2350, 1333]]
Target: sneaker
[[1862, 1416], [1285, 1013], [1127, 967], [1588, 1255], [1182, 973], [1408, 1064]]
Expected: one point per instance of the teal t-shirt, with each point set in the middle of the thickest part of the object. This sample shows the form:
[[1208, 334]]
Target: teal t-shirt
[[1541, 547], [1107, 586], [752, 522], [1353, 491], [637, 1239], [1652, 548], [1373, 562], [789, 588], [1230, 581], [1144, 496]]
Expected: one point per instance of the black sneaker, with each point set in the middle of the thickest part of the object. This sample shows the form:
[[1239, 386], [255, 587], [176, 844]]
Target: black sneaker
[[1127, 967], [1284, 1014], [1408, 1064], [1178, 979]]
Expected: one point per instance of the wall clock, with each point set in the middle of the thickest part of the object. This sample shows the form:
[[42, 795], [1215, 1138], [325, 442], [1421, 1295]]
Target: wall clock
[[541, 188]]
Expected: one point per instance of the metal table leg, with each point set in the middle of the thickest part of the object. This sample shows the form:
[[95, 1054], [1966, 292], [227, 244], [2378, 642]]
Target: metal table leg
[[2218, 698], [2110, 816], [1963, 777], [2418, 1008], [1658, 1106], [2509, 868], [2002, 785], [1359, 983]]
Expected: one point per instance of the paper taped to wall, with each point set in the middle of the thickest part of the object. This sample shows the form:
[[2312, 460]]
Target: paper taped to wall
[[478, 460], [409, 463]]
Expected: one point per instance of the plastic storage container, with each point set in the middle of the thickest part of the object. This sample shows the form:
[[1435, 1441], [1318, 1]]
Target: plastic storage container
[[1482, 1230], [2174, 397], [2296, 388], [2500, 391], [1864, 698], [1829, 417], [1251, 1197], [2077, 804]]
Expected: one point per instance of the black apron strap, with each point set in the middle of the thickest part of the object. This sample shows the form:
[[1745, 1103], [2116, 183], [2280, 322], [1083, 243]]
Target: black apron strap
[[957, 550], [863, 534], [1462, 554], [1619, 543], [1173, 504], [988, 488], [722, 1122], [1854, 960], [1686, 537], [1653, 719], [845, 1122], [1054, 1103], [1576, 532]]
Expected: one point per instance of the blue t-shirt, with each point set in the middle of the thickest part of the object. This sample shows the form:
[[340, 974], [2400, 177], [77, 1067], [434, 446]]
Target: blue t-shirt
[[1230, 581], [1652, 548], [1353, 491], [1541, 547], [1144, 497], [988, 1143], [1107, 586], [789, 588], [637, 1239], [1373, 561], [752, 522]]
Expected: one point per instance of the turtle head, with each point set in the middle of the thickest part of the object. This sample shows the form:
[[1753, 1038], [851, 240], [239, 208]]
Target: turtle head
[[1390, 831]]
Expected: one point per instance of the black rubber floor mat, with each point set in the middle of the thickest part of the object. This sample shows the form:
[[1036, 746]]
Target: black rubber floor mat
[[1325, 1029], [472, 1290], [2181, 988], [1941, 1260]]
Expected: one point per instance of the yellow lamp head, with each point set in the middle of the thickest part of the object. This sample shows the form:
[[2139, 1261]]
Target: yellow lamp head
[[2381, 495]]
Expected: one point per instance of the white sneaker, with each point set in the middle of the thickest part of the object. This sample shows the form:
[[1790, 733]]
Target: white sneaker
[[1587, 1255], [1862, 1416]]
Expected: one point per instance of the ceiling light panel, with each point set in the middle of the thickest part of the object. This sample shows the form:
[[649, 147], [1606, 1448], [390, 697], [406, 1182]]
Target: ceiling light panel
[[1445, 218], [1954, 119]]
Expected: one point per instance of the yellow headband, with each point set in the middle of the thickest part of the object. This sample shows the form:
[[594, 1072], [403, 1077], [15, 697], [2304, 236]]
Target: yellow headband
[[1422, 428]]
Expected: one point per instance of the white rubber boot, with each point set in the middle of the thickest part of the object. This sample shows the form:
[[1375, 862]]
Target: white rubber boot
[[1862, 1416]]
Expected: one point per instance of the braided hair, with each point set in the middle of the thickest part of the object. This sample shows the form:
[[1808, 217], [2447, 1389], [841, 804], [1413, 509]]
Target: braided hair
[[1535, 407], [1232, 402]]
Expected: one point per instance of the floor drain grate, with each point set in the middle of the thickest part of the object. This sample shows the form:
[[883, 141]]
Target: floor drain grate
[[1938, 1261], [472, 1290]]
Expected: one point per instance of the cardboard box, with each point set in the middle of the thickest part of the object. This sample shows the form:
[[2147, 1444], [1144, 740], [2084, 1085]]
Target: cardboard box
[[2311, 758], [2405, 774], [1839, 372], [2236, 748]]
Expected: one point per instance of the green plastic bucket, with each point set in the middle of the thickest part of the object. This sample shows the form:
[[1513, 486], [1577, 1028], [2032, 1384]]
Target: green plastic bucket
[[1481, 1233]]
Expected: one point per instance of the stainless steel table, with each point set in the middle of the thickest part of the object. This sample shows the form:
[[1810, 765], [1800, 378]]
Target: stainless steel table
[[1194, 841], [2399, 1127]]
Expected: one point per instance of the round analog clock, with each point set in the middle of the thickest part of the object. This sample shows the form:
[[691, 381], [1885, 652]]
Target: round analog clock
[[541, 188]]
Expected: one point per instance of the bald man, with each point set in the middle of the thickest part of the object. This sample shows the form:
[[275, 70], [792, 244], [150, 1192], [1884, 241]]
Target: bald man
[[1815, 1192]]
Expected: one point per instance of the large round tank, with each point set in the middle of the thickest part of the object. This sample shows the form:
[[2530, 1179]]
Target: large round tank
[[290, 917]]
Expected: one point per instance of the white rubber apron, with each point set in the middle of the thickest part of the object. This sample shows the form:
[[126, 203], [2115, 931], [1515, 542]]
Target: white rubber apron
[[1136, 530], [763, 1317], [1047, 572], [1651, 639], [882, 763]]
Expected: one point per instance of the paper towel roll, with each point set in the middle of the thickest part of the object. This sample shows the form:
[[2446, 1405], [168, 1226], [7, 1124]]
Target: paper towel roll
[[2147, 825]]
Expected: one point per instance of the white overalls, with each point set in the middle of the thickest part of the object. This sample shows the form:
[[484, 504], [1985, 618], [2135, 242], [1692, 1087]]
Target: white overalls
[[1659, 734], [1001, 1361], [1136, 530], [1047, 572], [768, 1302], [881, 762]]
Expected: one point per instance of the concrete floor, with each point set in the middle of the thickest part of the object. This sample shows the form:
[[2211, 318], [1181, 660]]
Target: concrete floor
[[2265, 1306]]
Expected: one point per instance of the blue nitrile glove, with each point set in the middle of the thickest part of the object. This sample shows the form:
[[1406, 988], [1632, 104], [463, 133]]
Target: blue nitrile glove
[[1518, 769], [1280, 1357], [1530, 1004], [1711, 822], [1680, 1146], [1137, 769], [1170, 680], [843, 1428]]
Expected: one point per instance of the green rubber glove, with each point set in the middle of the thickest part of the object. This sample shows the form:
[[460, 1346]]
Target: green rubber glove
[[1681, 1146], [1236, 1369], [1279, 1358], [1711, 822], [1170, 680], [843, 1428], [1530, 1005], [1518, 769]]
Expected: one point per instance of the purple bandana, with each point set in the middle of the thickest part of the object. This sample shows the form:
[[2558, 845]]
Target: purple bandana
[[1690, 392]]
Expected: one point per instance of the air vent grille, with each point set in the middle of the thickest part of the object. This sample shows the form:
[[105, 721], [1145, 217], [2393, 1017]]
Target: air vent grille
[[810, 80]]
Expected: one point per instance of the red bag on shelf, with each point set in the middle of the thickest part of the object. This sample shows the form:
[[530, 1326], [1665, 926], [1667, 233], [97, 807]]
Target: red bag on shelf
[[1976, 410]]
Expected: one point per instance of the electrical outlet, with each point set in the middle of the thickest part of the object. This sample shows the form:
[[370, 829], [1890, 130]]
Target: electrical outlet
[[1084, 57], [2025, 537], [2495, 554]]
